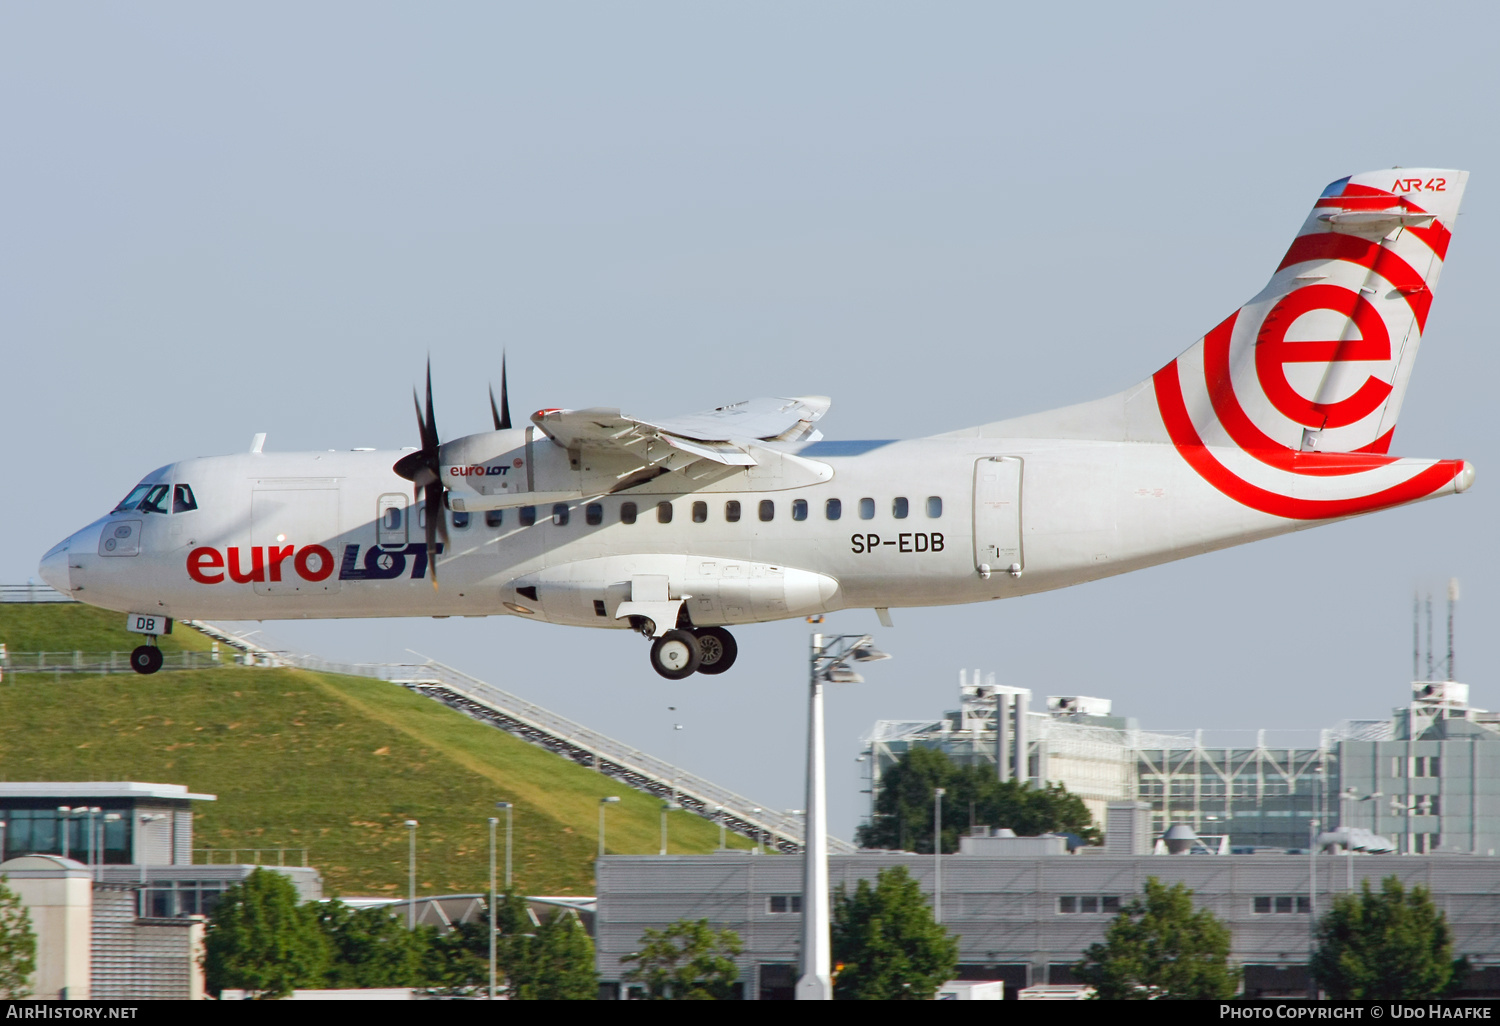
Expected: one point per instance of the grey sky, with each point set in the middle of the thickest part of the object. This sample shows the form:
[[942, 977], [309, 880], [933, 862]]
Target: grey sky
[[221, 220]]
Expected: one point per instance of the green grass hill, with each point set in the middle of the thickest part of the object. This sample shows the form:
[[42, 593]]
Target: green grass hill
[[331, 763], [74, 627]]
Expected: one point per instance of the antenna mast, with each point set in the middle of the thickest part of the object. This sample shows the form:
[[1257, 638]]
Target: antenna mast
[[1452, 602], [1429, 637]]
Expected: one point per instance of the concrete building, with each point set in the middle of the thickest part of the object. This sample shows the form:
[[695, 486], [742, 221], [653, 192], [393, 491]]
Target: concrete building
[[1027, 919], [106, 871], [1430, 762]]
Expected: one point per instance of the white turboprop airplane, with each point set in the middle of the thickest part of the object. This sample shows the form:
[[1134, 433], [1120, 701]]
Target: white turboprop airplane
[[1278, 419]]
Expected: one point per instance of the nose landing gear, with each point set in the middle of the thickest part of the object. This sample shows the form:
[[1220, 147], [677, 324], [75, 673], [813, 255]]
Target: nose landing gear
[[146, 658], [681, 653]]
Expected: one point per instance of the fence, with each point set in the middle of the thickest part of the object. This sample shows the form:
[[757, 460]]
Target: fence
[[32, 593], [233, 856], [56, 664]]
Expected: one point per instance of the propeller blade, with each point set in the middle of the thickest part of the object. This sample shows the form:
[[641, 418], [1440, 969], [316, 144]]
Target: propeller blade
[[436, 524], [503, 421]]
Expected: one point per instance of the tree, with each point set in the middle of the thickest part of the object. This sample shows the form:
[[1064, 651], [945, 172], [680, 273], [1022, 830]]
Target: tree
[[554, 964], [260, 939], [886, 943], [1160, 947], [688, 961], [1391, 945], [372, 948], [17, 946], [903, 806]]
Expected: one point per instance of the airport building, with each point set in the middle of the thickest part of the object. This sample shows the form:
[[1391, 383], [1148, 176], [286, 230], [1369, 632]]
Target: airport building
[[106, 871], [1026, 918], [1428, 776]]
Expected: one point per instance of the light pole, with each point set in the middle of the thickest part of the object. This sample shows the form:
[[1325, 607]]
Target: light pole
[[411, 875], [64, 822], [828, 663], [1312, 904], [494, 822], [719, 818], [611, 800], [757, 812], [509, 808], [666, 807], [937, 854], [2, 840], [104, 822]]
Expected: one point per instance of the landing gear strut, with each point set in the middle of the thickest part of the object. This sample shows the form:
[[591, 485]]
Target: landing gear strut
[[146, 658]]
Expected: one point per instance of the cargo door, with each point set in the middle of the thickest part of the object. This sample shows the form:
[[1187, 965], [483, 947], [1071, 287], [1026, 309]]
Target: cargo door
[[997, 515], [295, 531]]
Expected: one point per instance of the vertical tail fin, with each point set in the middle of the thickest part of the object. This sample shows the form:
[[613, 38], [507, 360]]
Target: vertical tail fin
[[1320, 359]]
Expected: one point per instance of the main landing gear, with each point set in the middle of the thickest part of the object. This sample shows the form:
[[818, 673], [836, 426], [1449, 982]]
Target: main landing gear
[[681, 653], [146, 658]]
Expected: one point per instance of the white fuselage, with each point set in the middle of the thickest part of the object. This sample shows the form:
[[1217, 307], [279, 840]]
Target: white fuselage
[[312, 535]]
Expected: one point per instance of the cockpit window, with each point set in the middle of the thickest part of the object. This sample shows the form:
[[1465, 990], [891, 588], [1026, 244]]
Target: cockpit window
[[129, 502], [182, 499], [155, 500]]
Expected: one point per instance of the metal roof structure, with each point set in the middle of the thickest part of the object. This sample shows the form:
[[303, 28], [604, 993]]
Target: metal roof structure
[[109, 789]]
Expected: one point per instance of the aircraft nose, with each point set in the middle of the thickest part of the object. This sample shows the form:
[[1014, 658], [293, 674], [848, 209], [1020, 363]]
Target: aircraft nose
[[54, 568]]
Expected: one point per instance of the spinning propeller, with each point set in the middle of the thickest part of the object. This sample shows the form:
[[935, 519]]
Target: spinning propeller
[[423, 468]]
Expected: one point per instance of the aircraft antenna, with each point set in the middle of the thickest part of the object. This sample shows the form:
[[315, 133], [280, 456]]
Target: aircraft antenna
[[502, 414]]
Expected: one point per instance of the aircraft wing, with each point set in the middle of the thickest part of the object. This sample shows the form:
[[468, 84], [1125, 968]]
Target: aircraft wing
[[724, 435]]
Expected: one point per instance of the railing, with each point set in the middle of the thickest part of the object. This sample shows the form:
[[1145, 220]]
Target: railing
[[55, 664], [32, 593], [587, 747], [233, 856]]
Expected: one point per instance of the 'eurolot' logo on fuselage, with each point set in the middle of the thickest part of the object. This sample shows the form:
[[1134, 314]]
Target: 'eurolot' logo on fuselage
[[312, 563]]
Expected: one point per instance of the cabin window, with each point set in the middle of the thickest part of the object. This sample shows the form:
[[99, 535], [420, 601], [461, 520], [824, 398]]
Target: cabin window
[[422, 516], [528, 516], [593, 514], [460, 520], [663, 512], [732, 511], [833, 509], [136, 494], [155, 500], [799, 509], [900, 507], [560, 514], [934, 506], [494, 517], [391, 519], [867, 509], [627, 512], [182, 499], [700, 512], [767, 510]]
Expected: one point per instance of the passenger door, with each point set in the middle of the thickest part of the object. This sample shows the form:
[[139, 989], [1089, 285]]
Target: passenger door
[[997, 514]]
